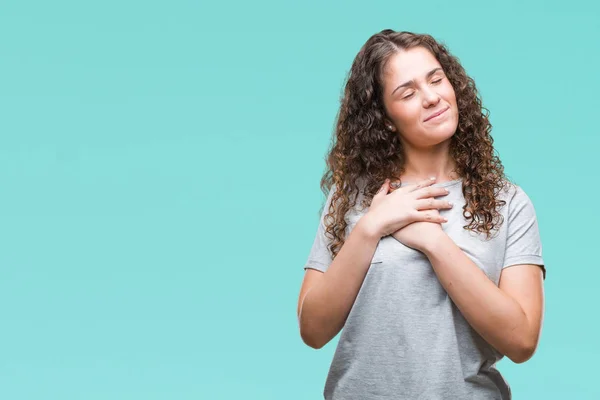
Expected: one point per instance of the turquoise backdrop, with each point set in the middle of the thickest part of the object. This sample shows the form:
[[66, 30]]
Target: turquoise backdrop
[[159, 185]]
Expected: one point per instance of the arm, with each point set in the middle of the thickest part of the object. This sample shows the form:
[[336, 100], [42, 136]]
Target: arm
[[326, 303], [326, 298], [507, 316]]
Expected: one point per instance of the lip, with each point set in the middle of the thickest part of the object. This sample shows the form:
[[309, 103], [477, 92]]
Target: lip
[[436, 114]]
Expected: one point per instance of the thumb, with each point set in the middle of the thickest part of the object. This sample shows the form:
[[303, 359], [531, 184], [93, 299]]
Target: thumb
[[384, 189]]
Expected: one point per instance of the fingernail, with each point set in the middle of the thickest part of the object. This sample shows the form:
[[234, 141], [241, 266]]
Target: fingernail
[[432, 178], [451, 204]]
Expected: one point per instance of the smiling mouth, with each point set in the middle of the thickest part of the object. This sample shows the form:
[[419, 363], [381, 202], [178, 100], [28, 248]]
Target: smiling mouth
[[437, 114]]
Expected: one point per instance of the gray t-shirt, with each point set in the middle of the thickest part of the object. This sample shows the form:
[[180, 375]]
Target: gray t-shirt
[[404, 337]]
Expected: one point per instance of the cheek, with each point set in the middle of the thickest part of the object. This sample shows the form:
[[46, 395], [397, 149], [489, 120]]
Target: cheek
[[450, 94], [408, 114]]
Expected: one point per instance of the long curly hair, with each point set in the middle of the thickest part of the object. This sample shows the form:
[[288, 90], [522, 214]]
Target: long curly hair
[[363, 150]]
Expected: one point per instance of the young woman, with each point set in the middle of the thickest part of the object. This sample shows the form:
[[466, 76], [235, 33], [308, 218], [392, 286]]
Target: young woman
[[433, 280]]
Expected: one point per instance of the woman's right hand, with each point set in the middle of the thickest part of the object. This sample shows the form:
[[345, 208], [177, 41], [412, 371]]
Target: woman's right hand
[[391, 211]]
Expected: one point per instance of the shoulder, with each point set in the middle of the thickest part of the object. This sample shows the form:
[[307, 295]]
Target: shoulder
[[518, 203], [513, 194]]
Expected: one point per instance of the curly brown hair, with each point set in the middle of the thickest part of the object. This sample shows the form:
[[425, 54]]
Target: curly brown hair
[[362, 149]]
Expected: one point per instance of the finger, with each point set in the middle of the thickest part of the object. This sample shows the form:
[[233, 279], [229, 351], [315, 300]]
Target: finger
[[421, 184], [430, 216], [431, 203], [413, 186], [430, 192], [383, 190]]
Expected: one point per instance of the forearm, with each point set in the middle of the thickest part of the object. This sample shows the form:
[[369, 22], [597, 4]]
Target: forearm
[[327, 304], [496, 316]]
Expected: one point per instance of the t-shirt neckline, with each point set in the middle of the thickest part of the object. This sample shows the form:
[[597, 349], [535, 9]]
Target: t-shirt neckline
[[438, 184]]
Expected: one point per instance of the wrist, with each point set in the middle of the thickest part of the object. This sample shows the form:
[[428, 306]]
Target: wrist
[[434, 242], [367, 227]]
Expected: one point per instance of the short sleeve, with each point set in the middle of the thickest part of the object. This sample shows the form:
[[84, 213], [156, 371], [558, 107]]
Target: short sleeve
[[320, 257], [523, 243]]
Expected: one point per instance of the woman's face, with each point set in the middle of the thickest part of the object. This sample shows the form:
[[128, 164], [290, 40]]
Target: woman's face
[[416, 88]]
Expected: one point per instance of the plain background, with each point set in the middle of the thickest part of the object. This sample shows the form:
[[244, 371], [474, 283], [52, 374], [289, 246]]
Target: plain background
[[159, 185]]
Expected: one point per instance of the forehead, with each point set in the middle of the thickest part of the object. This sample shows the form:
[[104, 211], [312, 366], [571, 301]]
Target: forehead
[[409, 64]]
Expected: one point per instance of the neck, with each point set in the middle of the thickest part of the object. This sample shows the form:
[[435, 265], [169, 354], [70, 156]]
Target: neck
[[420, 164]]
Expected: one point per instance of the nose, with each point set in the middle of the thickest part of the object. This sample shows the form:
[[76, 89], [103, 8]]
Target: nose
[[430, 97]]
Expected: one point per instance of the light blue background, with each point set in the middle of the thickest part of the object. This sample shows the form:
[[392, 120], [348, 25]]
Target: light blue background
[[159, 171]]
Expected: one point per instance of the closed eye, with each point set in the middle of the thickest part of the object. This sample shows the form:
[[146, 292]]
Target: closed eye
[[436, 82]]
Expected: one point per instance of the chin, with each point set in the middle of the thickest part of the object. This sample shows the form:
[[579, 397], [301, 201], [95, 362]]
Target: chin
[[443, 132], [439, 137]]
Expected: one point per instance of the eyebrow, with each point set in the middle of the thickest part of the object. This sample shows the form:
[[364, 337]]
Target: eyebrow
[[411, 82]]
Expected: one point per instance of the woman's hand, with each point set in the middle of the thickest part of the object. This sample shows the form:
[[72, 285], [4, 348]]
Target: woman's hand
[[418, 235], [391, 212]]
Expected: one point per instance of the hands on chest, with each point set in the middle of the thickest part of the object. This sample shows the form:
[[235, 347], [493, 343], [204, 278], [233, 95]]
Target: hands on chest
[[410, 213]]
